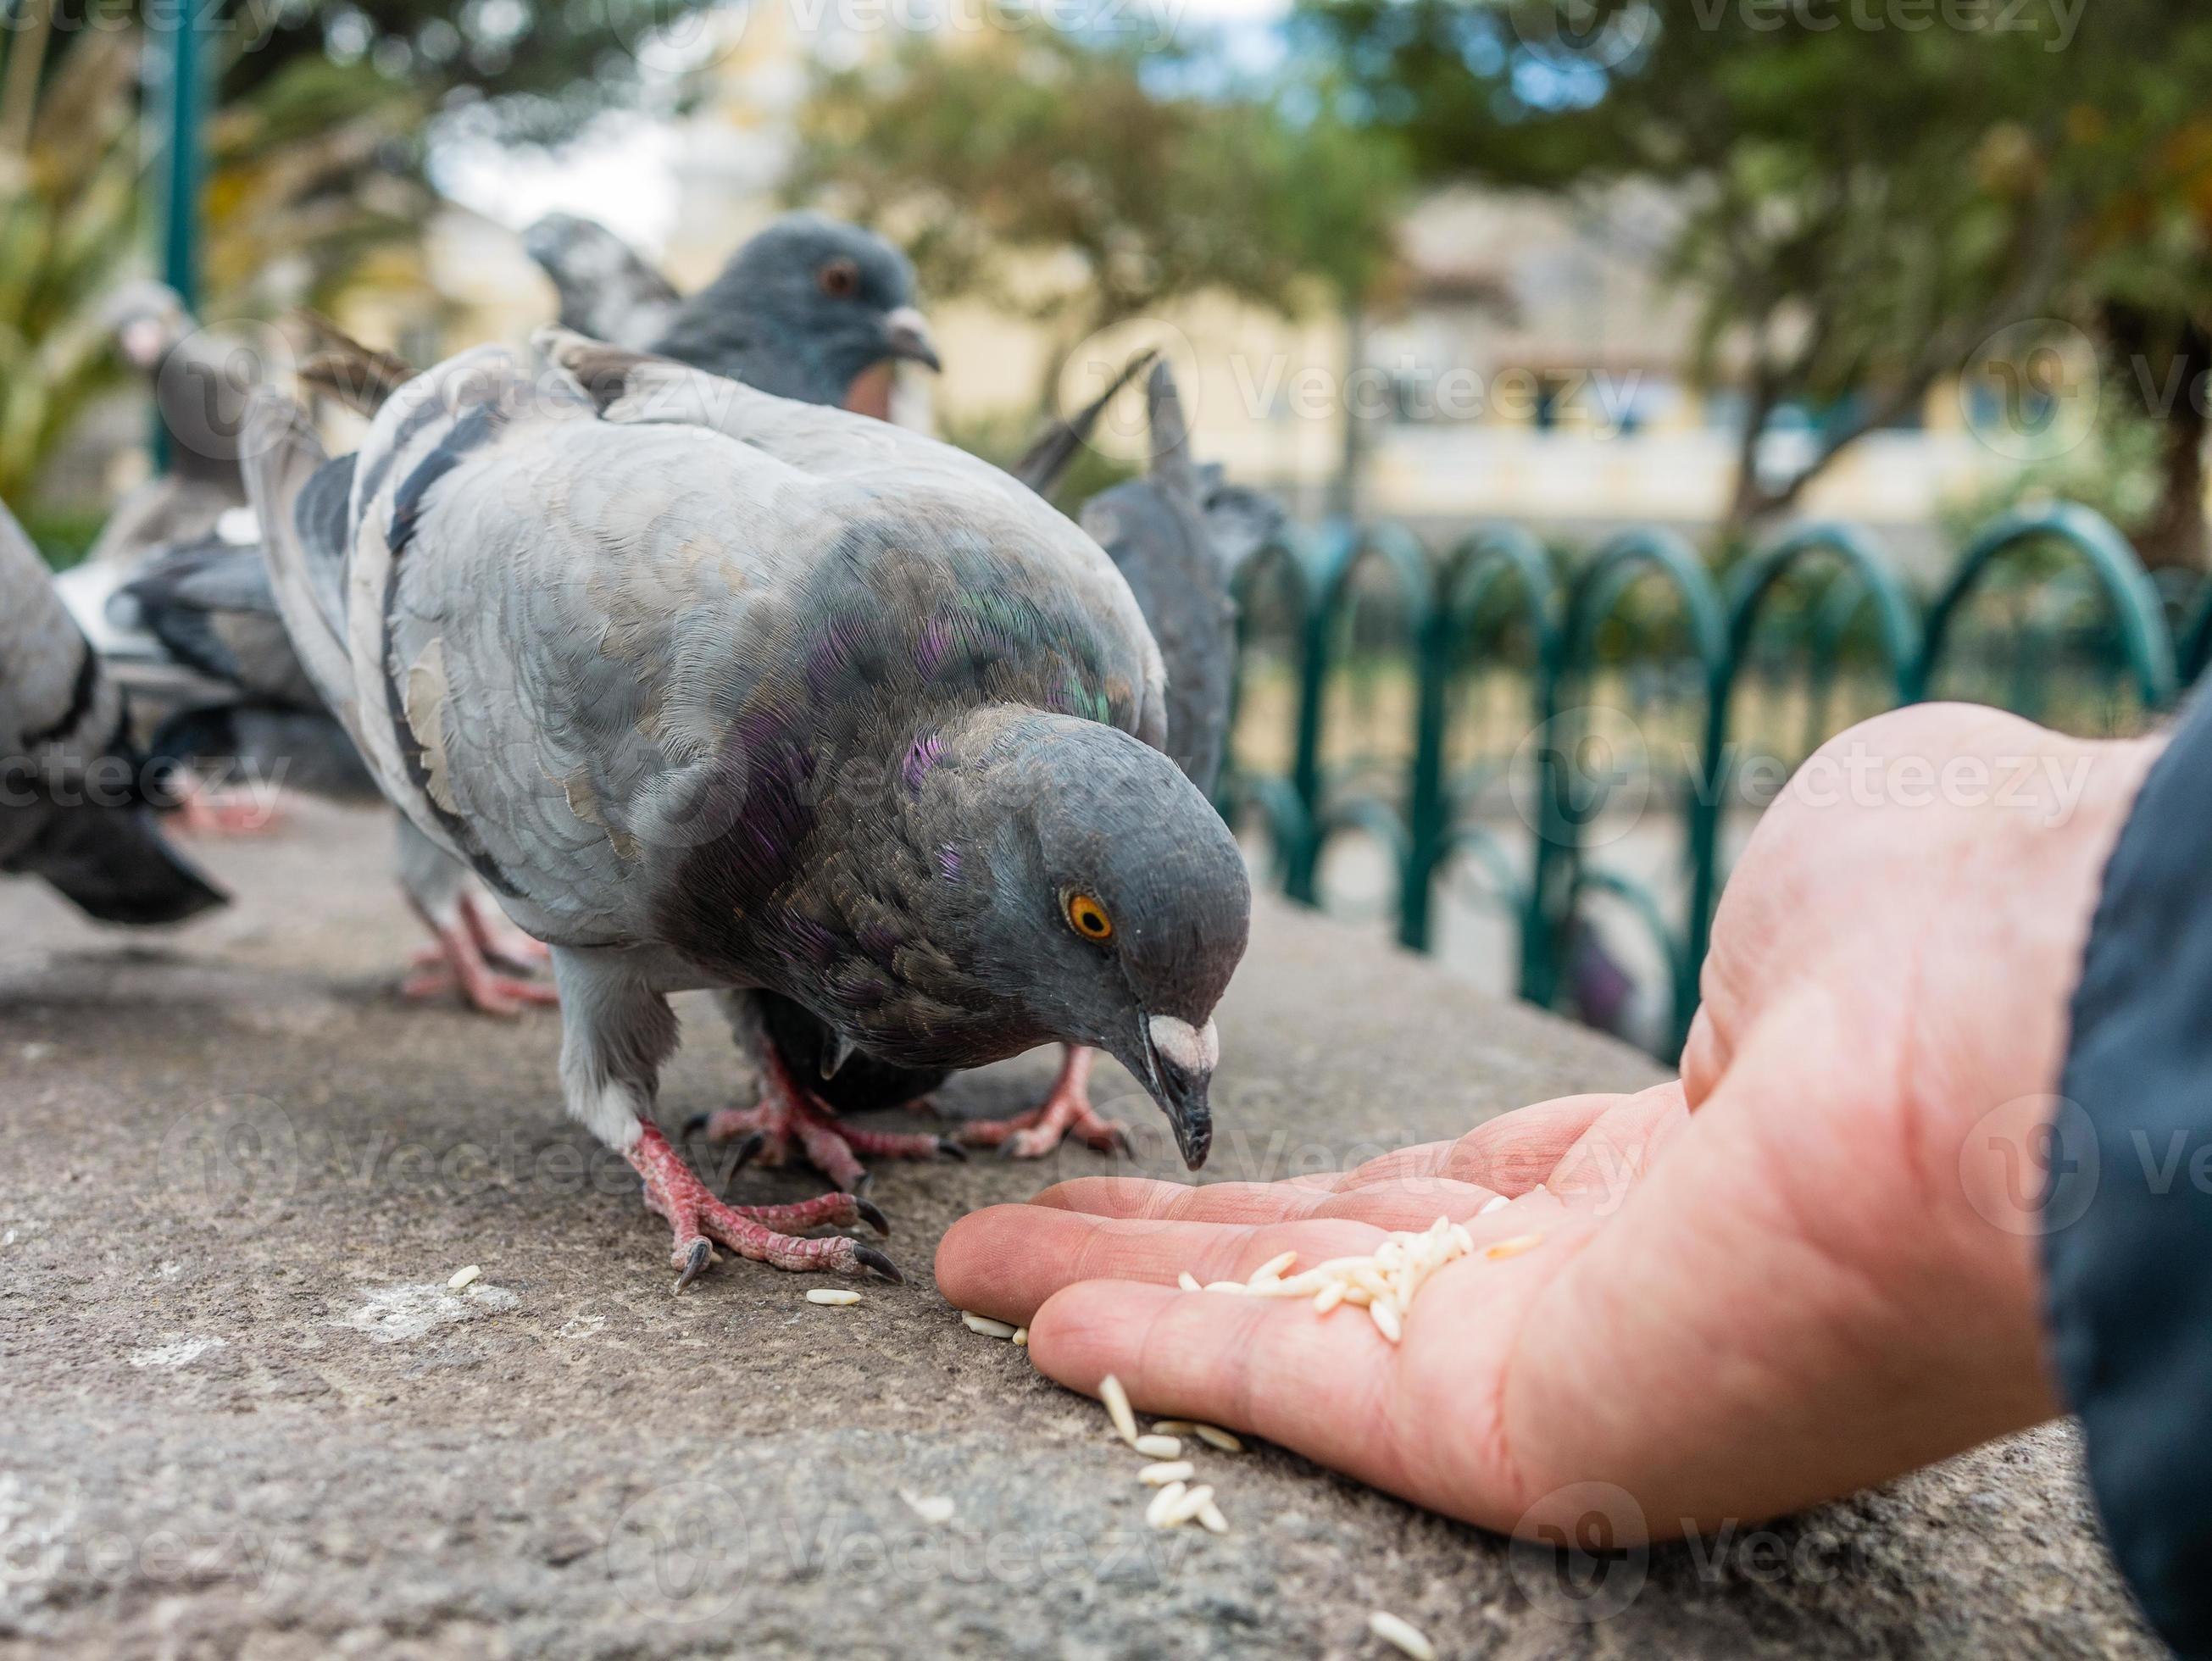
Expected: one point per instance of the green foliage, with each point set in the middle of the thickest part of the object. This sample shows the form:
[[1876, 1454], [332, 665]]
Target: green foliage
[[314, 175], [1863, 206], [990, 156], [69, 164]]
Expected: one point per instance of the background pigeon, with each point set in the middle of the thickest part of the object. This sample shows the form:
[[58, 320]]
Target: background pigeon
[[810, 308], [719, 690], [72, 803], [607, 289], [200, 384]]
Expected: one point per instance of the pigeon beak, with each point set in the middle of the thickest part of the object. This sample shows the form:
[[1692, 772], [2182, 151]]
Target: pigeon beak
[[906, 334], [143, 340], [1181, 1059]]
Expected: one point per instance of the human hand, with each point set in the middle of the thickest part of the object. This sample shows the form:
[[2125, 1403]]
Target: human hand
[[1806, 1267]]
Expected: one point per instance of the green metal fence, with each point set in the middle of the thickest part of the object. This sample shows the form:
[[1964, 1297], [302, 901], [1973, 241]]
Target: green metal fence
[[2080, 631]]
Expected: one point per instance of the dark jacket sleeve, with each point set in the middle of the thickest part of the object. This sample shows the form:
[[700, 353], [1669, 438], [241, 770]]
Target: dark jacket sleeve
[[2128, 1206]]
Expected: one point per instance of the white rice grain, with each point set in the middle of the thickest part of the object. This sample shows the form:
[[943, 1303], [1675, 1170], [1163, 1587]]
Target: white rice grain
[[1491, 1204], [1117, 1405], [1188, 1281], [1194, 1501], [1401, 1635], [463, 1277], [931, 1508], [1158, 1447], [1021, 1338], [1384, 1282], [988, 1327], [1214, 1437], [1156, 1514], [1211, 1519], [1172, 1426], [1167, 1471], [836, 1297], [1384, 1313]]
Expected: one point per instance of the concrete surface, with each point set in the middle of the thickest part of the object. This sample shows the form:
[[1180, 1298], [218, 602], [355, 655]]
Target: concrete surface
[[243, 1417]]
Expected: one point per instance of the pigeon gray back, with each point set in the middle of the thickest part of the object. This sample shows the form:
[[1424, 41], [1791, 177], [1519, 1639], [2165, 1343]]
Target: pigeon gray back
[[73, 808], [802, 310], [715, 689], [1155, 530], [607, 289]]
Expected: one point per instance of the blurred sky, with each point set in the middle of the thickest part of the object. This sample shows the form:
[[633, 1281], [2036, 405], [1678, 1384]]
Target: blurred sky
[[623, 171]]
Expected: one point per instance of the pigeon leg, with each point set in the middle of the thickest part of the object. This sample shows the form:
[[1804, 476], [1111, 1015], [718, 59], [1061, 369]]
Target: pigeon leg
[[1065, 1111], [500, 940], [204, 812], [788, 1112], [700, 1222], [458, 962]]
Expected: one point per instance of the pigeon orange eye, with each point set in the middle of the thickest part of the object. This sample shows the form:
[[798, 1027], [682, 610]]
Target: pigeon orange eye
[[1088, 918], [840, 279]]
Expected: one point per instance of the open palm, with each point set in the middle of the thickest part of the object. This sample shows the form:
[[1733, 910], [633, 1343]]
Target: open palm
[[1806, 1268]]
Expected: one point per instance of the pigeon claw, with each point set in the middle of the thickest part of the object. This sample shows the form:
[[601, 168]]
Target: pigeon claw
[[1066, 1111], [695, 1263], [871, 1215], [874, 1259], [770, 1234]]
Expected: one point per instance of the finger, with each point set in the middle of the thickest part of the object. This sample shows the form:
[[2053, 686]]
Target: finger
[[1611, 1157], [1410, 1203], [1705, 1056], [1510, 1155], [1004, 1261], [1323, 1385]]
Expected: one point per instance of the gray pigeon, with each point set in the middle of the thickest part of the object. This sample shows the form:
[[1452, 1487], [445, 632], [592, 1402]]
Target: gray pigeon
[[1176, 553], [210, 605], [607, 289], [1159, 534], [810, 308], [200, 384], [718, 690], [73, 806], [1156, 532]]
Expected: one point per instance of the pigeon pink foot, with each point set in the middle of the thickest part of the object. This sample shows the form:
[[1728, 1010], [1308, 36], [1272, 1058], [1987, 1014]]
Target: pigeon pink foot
[[699, 1222], [1066, 1111]]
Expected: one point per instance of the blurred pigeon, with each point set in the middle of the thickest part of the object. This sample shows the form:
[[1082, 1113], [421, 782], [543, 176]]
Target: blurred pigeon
[[210, 605], [719, 690], [73, 808], [1157, 532], [607, 289], [810, 308], [199, 385]]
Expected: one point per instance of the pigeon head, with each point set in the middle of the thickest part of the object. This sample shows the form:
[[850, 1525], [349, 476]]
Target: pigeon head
[[811, 309], [147, 320], [1111, 904]]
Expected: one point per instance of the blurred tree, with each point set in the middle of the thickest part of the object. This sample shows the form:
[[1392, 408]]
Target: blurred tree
[[989, 151], [1869, 193], [317, 156], [68, 166]]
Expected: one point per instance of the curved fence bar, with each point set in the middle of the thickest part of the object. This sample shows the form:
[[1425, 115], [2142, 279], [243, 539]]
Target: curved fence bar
[[1343, 551], [2133, 596], [1561, 810], [2147, 636], [2194, 647], [1470, 573]]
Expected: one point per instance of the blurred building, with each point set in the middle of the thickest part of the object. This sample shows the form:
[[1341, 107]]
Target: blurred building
[[1534, 367]]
